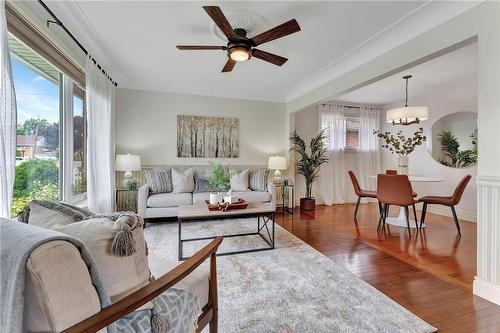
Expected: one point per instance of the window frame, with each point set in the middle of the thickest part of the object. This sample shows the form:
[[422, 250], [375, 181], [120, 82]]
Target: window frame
[[71, 74]]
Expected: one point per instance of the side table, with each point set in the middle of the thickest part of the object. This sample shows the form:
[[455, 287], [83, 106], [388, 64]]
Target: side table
[[126, 200], [287, 194]]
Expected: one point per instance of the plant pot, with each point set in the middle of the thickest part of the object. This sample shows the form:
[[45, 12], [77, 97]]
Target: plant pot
[[307, 204], [215, 198]]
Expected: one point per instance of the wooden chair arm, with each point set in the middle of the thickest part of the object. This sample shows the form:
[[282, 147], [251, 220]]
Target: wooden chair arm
[[140, 297]]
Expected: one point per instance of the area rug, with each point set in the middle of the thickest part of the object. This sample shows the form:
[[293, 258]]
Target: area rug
[[293, 288]]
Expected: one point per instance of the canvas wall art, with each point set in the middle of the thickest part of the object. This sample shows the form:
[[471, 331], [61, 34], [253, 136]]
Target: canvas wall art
[[213, 137]]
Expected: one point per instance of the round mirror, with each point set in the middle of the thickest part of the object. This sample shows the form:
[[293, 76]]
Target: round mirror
[[452, 140]]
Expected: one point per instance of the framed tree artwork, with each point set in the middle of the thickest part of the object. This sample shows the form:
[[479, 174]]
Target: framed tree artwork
[[213, 137]]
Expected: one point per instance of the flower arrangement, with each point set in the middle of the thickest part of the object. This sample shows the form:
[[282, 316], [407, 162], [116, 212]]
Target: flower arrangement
[[399, 143]]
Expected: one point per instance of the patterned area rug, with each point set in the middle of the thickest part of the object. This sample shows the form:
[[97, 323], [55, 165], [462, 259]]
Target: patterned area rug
[[293, 288]]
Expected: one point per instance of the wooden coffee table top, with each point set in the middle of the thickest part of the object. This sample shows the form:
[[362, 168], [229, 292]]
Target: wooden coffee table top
[[201, 211]]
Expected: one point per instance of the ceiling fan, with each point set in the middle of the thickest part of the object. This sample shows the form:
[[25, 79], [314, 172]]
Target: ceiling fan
[[240, 47]]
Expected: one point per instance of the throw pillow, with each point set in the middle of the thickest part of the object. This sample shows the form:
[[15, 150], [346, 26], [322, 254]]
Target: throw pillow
[[183, 182], [201, 185], [115, 241], [239, 180], [159, 180], [47, 213], [258, 179]]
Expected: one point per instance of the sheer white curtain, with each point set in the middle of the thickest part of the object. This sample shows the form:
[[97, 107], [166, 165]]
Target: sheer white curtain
[[333, 173], [101, 140], [369, 146], [8, 120]]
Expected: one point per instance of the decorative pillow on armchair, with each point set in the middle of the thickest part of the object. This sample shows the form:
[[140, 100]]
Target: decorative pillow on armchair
[[115, 241]]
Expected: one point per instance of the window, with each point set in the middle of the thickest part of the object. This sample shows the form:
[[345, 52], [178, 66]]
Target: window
[[42, 120], [352, 133], [79, 184]]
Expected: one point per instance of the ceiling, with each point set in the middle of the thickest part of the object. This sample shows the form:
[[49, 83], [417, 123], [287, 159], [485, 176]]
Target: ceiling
[[135, 40], [459, 65]]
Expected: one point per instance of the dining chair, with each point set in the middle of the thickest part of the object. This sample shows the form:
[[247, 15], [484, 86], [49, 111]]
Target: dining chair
[[395, 172], [395, 190], [450, 201], [362, 193]]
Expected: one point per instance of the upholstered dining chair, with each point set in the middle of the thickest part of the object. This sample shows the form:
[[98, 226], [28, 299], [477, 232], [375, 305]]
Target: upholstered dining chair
[[450, 201], [395, 172], [395, 190], [362, 193]]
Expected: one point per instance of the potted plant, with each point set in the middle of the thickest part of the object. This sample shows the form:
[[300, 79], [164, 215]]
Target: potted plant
[[308, 164], [401, 145], [454, 156], [218, 181]]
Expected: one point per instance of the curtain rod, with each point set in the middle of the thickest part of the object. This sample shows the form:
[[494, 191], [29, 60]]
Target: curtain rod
[[350, 106], [59, 23]]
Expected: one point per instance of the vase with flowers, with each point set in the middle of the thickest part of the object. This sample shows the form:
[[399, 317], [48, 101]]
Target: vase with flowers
[[401, 145]]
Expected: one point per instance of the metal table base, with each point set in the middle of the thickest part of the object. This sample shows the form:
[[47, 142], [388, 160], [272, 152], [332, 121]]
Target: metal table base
[[261, 227]]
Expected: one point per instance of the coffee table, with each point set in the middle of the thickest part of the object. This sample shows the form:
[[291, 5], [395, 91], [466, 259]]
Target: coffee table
[[262, 211]]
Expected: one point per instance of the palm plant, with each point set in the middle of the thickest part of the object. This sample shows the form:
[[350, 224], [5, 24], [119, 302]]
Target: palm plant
[[455, 157], [308, 163]]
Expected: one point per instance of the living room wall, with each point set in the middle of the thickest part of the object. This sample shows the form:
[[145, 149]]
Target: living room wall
[[146, 124]]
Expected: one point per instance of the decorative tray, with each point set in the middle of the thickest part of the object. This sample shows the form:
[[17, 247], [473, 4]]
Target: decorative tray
[[241, 204]]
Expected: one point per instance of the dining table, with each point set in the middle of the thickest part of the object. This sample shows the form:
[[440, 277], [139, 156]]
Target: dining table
[[400, 220]]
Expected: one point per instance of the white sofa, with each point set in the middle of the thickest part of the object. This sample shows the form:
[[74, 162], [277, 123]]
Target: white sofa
[[166, 204]]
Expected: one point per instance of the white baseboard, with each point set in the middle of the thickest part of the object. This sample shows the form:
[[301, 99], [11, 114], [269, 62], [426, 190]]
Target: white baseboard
[[486, 290], [446, 211]]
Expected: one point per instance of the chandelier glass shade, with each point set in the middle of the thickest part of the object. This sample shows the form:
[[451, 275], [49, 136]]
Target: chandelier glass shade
[[408, 114]]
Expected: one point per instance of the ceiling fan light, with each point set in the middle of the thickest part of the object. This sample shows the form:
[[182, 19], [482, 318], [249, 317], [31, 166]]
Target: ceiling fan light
[[239, 54]]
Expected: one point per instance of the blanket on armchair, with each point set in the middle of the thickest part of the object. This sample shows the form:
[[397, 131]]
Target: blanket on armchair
[[24, 239]]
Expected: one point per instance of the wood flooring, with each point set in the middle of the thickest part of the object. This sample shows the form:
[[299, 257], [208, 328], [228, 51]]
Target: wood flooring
[[430, 274]]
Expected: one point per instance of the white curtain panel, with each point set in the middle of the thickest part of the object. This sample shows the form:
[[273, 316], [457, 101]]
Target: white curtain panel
[[8, 122], [333, 173], [369, 146], [101, 140]]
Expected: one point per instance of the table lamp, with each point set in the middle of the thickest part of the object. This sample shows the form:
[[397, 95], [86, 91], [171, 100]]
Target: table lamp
[[128, 163], [277, 163]]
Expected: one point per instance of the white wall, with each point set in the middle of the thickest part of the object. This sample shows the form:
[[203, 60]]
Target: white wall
[[307, 126], [457, 97], [146, 124]]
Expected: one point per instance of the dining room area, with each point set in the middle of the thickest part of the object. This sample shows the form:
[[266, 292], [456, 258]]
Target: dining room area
[[401, 170]]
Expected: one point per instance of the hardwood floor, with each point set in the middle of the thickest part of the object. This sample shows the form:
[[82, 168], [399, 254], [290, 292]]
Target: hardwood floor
[[431, 274]]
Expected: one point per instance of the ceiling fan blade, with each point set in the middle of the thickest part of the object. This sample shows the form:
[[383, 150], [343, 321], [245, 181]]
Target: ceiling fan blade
[[269, 57], [220, 19], [281, 30], [200, 47], [229, 65]]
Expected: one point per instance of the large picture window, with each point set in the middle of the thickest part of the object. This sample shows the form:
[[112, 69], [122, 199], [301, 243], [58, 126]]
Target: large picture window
[[41, 122]]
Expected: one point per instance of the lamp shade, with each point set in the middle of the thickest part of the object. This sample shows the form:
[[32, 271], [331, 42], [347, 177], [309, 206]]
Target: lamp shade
[[407, 115], [128, 162], [277, 163]]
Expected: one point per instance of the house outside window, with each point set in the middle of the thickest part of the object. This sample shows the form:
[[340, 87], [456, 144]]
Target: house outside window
[[352, 126]]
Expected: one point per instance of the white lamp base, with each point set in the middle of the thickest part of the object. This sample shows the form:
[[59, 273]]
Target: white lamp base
[[277, 177], [127, 177]]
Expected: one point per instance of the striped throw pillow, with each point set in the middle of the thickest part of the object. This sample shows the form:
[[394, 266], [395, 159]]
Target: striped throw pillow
[[159, 180], [258, 179]]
